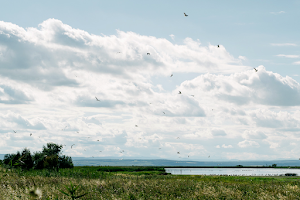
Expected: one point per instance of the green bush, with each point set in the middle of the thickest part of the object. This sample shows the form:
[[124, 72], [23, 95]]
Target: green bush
[[48, 158], [12, 160], [65, 162]]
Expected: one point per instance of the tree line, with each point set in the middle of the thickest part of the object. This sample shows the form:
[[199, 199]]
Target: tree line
[[49, 158]]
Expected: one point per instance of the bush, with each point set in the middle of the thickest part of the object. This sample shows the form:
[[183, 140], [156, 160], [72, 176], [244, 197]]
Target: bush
[[12, 160], [65, 162], [49, 158]]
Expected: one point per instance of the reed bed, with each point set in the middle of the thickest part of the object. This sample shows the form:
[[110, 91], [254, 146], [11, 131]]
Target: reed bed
[[17, 184]]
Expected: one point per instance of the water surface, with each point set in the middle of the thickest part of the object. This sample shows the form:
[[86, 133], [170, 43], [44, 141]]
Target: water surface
[[232, 171]]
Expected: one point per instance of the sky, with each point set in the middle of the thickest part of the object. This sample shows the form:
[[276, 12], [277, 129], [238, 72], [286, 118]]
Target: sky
[[139, 79]]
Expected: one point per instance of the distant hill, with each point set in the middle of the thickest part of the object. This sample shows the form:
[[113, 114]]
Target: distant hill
[[89, 161], [164, 162]]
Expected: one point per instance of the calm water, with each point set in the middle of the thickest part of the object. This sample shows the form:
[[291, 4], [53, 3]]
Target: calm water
[[232, 171]]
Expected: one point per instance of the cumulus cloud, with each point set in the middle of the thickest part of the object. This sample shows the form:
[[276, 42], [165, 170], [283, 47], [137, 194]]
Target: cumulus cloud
[[50, 76], [248, 143], [226, 147], [260, 87], [218, 132]]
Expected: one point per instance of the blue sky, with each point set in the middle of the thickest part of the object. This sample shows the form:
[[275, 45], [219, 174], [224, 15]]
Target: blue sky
[[56, 57]]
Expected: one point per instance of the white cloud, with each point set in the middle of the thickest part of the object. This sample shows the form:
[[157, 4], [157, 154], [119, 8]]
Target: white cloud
[[283, 44], [50, 77], [172, 36], [296, 63], [228, 146], [288, 56], [218, 132], [247, 87], [248, 143], [242, 58], [277, 13]]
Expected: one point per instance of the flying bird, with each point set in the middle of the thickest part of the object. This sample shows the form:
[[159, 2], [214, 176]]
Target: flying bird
[[148, 53], [164, 112], [208, 156], [30, 134], [171, 75], [136, 125], [178, 138], [255, 70], [218, 46], [72, 146], [179, 92], [193, 95], [97, 99], [14, 131], [185, 15], [178, 152]]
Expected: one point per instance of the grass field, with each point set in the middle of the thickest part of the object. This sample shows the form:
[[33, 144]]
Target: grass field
[[141, 183]]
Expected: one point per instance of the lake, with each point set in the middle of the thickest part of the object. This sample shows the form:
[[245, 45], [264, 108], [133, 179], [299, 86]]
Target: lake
[[232, 171]]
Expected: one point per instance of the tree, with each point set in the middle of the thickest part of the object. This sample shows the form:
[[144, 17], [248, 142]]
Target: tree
[[49, 158], [12, 159], [25, 160]]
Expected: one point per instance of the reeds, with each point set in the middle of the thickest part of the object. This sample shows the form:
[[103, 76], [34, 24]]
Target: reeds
[[93, 184]]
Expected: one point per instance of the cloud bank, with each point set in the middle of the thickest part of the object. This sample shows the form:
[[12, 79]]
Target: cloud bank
[[51, 77]]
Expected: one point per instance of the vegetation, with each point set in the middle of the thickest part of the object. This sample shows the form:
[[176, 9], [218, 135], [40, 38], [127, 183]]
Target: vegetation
[[130, 183], [49, 158]]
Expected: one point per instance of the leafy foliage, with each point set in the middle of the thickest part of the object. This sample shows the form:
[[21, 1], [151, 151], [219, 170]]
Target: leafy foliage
[[49, 158]]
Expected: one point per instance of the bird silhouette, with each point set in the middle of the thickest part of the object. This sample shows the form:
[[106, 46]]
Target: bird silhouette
[[136, 125], [185, 15], [72, 146], [178, 138], [179, 92], [171, 75], [148, 53], [208, 156], [164, 112], [14, 131], [30, 134], [218, 46], [255, 70], [97, 99], [178, 152], [193, 95]]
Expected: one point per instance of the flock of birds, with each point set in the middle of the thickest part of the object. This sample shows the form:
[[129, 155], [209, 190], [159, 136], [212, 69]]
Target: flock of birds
[[179, 92]]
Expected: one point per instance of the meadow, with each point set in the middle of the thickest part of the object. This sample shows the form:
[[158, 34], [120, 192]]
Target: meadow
[[139, 183]]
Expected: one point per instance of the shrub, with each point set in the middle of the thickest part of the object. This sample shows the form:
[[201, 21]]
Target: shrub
[[48, 158], [65, 162], [12, 159]]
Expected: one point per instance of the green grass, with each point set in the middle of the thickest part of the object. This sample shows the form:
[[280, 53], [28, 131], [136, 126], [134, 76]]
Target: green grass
[[134, 183]]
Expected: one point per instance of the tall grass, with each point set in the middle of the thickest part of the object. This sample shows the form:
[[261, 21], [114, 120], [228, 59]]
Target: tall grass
[[17, 184]]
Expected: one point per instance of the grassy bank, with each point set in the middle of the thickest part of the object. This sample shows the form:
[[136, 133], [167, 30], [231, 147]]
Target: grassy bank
[[143, 183]]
